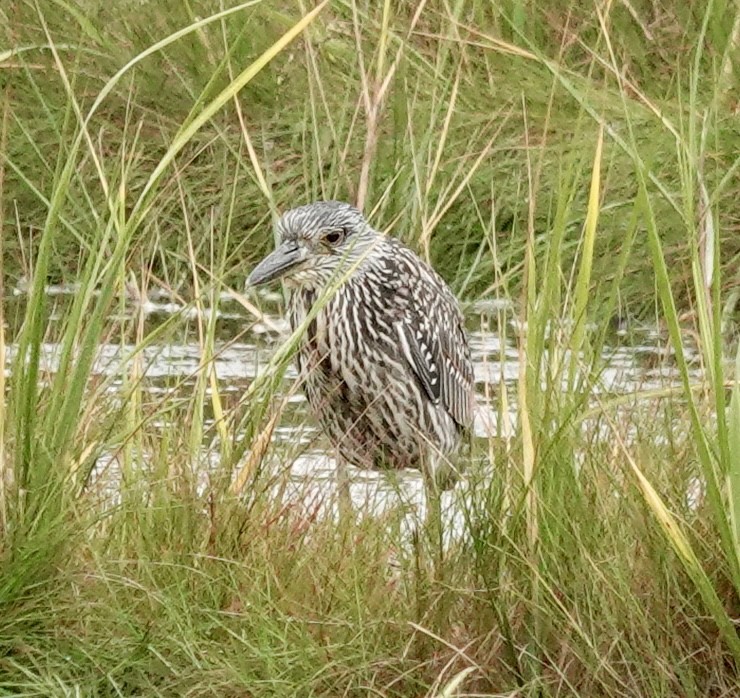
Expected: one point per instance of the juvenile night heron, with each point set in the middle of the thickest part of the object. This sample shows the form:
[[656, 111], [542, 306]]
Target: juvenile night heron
[[385, 363]]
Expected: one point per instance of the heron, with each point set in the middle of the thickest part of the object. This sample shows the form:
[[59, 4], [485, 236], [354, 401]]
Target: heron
[[385, 360]]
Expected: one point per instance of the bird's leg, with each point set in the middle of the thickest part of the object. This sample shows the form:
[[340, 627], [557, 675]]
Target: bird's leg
[[344, 495], [433, 519]]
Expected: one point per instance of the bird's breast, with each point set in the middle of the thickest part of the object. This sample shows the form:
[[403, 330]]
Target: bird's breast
[[347, 338], [313, 344]]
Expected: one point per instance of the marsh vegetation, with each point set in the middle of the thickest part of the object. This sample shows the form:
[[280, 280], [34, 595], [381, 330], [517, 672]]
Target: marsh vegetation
[[165, 524]]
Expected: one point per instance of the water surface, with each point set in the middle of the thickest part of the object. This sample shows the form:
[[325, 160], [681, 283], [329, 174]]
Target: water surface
[[635, 362]]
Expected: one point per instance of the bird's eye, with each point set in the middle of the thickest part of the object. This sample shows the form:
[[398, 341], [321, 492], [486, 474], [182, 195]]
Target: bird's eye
[[334, 237]]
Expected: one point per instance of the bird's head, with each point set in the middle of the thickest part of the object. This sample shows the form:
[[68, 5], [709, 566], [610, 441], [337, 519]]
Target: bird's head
[[316, 242]]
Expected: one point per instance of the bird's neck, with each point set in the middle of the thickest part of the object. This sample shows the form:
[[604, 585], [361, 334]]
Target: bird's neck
[[350, 267]]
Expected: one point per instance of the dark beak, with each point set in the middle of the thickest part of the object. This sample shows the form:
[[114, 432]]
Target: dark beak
[[276, 264]]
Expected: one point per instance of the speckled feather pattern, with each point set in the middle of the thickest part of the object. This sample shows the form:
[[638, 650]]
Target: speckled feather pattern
[[385, 364]]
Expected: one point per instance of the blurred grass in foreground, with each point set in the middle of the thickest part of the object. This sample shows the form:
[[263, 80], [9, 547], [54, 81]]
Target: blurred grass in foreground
[[565, 157]]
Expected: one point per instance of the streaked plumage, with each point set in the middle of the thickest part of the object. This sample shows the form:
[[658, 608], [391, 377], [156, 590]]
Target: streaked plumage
[[385, 362]]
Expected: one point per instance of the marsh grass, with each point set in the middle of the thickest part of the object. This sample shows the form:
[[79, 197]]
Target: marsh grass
[[561, 157]]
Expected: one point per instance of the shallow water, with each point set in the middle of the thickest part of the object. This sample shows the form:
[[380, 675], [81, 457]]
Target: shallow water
[[635, 361]]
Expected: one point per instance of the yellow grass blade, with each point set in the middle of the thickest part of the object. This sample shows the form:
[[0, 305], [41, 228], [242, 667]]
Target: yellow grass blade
[[682, 547], [733, 475], [583, 282], [257, 452], [450, 689]]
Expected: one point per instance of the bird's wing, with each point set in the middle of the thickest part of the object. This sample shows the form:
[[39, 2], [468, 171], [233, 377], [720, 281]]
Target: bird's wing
[[421, 355], [457, 378], [434, 344]]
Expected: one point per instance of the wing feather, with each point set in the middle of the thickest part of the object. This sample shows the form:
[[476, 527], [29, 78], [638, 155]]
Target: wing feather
[[421, 357], [457, 386], [436, 348]]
